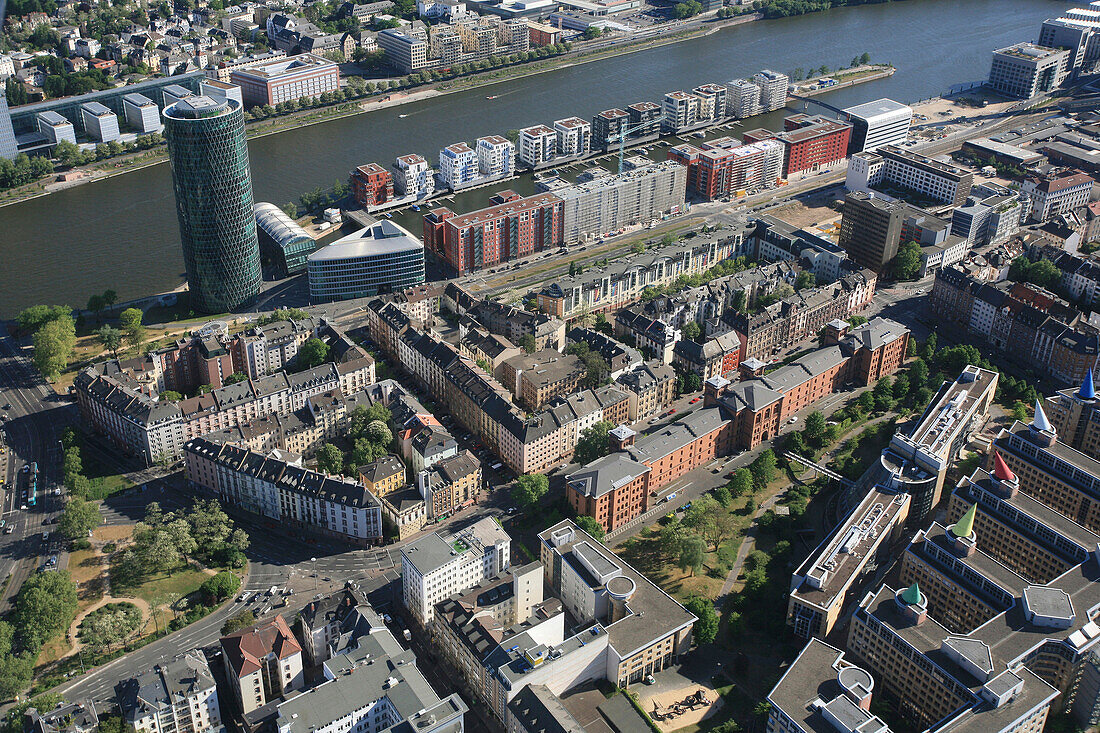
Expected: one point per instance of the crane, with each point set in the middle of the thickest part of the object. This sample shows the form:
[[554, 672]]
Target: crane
[[621, 138]]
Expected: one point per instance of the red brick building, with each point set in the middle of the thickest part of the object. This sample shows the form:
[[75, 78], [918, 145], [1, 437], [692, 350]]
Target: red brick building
[[371, 185], [506, 231], [810, 142]]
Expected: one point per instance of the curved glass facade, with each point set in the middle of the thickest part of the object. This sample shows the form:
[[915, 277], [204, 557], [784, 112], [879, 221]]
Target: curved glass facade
[[213, 186]]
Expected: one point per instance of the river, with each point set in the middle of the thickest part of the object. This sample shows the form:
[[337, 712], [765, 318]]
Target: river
[[121, 232]]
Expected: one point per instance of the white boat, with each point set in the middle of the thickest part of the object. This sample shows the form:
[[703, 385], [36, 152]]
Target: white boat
[[402, 116]]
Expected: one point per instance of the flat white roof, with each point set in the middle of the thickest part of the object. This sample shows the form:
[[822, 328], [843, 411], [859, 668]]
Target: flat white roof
[[878, 108]]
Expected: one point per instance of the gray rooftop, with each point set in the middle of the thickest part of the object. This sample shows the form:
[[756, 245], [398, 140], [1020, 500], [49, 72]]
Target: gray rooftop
[[381, 238]]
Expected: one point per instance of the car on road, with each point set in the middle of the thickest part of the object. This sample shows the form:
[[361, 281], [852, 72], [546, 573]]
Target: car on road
[[9, 529], [7, 405], [793, 420]]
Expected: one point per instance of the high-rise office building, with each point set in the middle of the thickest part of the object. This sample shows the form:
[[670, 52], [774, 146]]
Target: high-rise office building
[[870, 230], [8, 147], [878, 123], [213, 186]]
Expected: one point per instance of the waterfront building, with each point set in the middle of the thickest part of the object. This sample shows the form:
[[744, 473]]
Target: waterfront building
[[608, 203], [142, 114], [55, 127], [100, 122], [178, 694], [9, 148], [680, 110], [607, 126], [371, 185], [878, 123], [574, 136], [458, 165], [537, 145], [285, 246], [262, 663], [712, 101], [645, 118], [774, 89], [809, 142], [505, 231], [742, 98], [870, 230], [408, 53], [414, 176], [1025, 70], [226, 65], [715, 172], [441, 564], [285, 79], [213, 187], [1076, 35], [381, 258], [496, 156]]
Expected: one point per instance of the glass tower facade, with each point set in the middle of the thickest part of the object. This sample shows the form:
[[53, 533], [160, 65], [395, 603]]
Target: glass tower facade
[[210, 174], [8, 147]]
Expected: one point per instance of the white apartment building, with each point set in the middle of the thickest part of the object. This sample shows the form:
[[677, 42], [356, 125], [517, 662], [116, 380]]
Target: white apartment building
[[742, 98], [413, 176], [496, 156], [177, 695], [262, 663], [908, 170], [680, 110], [574, 136], [774, 89], [458, 165], [438, 565], [1054, 195], [142, 113], [712, 101], [537, 144], [7, 66]]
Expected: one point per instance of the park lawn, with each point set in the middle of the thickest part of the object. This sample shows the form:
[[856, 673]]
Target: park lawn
[[104, 478], [88, 571], [159, 587]]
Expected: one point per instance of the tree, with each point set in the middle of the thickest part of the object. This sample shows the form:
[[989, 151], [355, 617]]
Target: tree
[[592, 32], [313, 352], [918, 373], [684, 10], [15, 670], [53, 345], [907, 261], [110, 297], [379, 433], [330, 459], [79, 518], [795, 443], [706, 628], [763, 469], [1019, 411], [741, 483], [804, 280], [110, 337], [692, 331], [593, 442], [527, 343], [96, 305], [866, 401], [883, 393], [44, 607], [130, 321], [928, 348], [529, 489], [707, 517], [693, 551], [239, 621], [814, 432], [219, 587], [865, 58], [591, 526], [1042, 272], [723, 496], [110, 625]]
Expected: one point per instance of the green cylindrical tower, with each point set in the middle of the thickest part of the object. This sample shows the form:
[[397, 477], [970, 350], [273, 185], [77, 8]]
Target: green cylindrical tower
[[209, 156]]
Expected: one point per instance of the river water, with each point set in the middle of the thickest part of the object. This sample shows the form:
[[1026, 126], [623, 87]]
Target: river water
[[121, 233]]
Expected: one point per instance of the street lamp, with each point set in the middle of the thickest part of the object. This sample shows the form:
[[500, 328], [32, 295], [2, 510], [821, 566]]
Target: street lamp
[[314, 561]]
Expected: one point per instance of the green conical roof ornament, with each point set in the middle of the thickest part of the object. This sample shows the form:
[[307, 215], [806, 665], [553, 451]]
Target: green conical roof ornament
[[911, 595], [965, 526]]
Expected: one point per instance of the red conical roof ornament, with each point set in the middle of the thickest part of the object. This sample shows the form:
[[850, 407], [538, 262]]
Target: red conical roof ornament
[[1001, 469]]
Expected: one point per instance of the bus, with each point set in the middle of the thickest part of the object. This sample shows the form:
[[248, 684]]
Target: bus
[[32, 485]]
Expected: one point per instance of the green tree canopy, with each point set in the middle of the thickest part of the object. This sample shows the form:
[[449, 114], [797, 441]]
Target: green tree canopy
[[53, 345], [314, 352], [593, 443], [130, 320], [706, 628], [529, 489], [330, 459], [591, 526], [907, 261], [79, 518]]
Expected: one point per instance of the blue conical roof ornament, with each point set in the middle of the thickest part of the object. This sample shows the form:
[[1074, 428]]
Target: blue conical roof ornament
[[1087, 391]]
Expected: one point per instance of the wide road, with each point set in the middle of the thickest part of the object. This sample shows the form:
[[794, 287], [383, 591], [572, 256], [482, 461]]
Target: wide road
[[34, 418]]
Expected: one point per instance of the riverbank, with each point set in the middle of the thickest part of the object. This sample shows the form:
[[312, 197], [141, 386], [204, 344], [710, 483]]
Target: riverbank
[[305, 118]]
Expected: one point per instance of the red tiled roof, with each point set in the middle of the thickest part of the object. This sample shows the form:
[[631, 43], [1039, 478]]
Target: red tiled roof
[[245, 648]]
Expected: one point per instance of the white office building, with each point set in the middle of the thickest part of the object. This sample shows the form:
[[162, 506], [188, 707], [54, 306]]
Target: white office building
[[55, 127], [441, 564], [458, 165], [878, 123], [574, 136], [142, 113], [99, 122], [413, 176], [1026, 70], [496, 156], [910, 171], [537, 144]]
